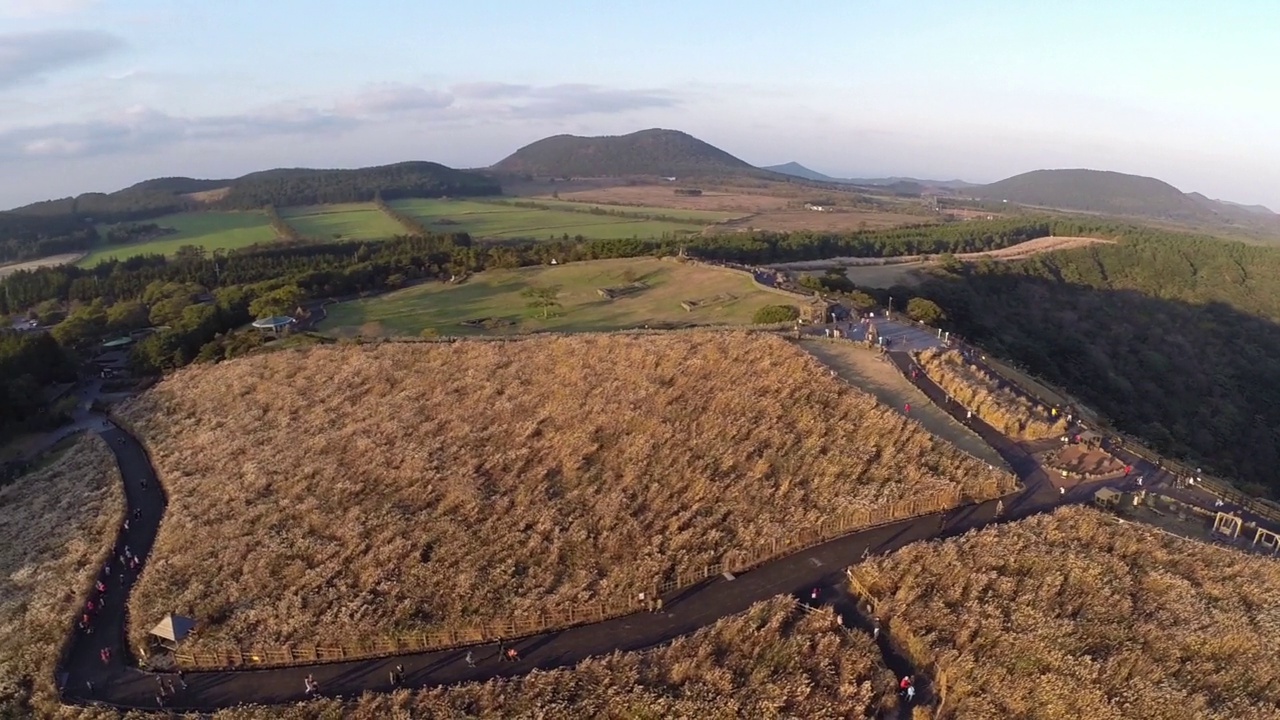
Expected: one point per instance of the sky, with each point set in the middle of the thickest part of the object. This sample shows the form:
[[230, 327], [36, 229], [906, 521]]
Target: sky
[[100, 94]]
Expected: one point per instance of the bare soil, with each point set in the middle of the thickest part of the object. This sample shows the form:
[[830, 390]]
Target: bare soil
[[64, 259], [1083, 459]]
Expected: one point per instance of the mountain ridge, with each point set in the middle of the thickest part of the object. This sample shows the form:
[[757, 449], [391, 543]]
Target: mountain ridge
[[795, 169], [653, 152]]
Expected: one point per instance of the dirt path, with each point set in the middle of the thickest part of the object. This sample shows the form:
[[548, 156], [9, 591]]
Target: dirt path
[[866, 370]]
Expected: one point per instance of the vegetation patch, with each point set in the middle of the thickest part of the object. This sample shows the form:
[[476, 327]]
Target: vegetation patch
[[540, 473], [1003, 409], [346, 221], [208, 230], [579, 305], [1074, 615], [58, 524], [504, 220], [773, 661]]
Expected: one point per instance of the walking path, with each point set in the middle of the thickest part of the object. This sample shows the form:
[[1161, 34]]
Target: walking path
[[86, 679]]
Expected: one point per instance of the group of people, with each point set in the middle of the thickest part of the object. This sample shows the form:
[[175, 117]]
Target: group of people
[[907, 688], [166, 689]]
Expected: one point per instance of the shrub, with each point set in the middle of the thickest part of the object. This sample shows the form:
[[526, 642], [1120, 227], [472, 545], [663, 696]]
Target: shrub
[[770, 314]]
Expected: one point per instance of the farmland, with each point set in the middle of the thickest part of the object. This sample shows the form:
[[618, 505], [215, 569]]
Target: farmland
[[1074, 615], [58, 524], [732, 298], [210, 230], [703, 216], [534, 474], [348, 221], [495, 220], [773, 661]]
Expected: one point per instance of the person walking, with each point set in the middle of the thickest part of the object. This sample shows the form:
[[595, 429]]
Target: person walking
[[471, 660], [310, 682], [182, 678], [657, 605], [908, 408], [513, 655], [875, 630], [911, 694], [396, 676], [999, 508]]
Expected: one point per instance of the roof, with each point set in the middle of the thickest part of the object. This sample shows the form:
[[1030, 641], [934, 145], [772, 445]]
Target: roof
[[118, 342], [173, 627], [272, 322], [1106, 494]]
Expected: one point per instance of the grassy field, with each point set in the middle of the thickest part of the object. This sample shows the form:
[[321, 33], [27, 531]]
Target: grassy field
[[1074, 615], [866, 369], [399, 486], [704, 216], [773, 661], [210, 230], [1010, 413], [497, 294], [348, 221], [57, 523], [493, 220]]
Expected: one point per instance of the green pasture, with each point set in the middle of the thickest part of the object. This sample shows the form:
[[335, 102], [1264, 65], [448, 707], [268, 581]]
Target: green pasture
[[496, 220], [210, 230], [346, 221], [703, 216], [730, 298]]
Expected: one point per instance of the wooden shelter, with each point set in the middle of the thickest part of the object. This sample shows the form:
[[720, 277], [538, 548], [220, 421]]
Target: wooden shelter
[[171, 630], [818, 311], [1107, 498]]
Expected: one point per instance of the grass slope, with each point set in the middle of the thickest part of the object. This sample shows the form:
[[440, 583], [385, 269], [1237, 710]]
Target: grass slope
[[497, 294], [494, 220], [399, 486], [210, 230], [773, 661], [58, 524], [1073, 615], [347, 221]]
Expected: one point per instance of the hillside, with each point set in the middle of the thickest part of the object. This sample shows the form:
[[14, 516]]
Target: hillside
[[67, 224], [1094, 191], [896, 184], [664, 153], [795, 169]]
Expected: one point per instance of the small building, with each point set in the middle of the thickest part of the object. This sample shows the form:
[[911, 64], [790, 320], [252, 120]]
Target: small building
[[1107, 498], [172, 630], [818, 311], [275, 323]]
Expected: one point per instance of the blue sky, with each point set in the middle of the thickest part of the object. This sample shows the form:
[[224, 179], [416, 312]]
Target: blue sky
[[98, 94]]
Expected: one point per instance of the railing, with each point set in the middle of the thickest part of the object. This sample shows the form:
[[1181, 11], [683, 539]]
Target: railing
[[843, 523]]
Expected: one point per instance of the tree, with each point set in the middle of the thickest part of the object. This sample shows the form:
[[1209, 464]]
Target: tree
[[861, 301], [280, 301], [770, 314], [925, 311], [543, 298], [127, 315]]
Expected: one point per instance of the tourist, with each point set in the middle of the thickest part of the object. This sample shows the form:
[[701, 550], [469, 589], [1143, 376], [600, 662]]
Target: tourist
[[101, 588], [182, 678], [999, 508], [513, 655], [143, 482], [137, 513], [908, 408], [813, 595], [89, 685], [396, 676], [471, 661], [105, 654], [169, 689], [911, 693], [657, 604], [310, 682], [904, 683]]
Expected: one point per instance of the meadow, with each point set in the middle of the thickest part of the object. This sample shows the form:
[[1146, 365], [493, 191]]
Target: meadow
[[58, 524], [1009, 412], [210, 230], [346, 221], [1075, 615], [346, 491], [775, 660], [496, 294], [495, 220], [705, 217]]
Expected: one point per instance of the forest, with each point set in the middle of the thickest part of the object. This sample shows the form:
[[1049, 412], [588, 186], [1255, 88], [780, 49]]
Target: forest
[[29, 363], [1173, 337]]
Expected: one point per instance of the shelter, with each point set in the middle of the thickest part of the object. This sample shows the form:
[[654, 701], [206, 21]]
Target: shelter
[[172, 629], [818, 311], [275, 323], [1107, 498], [117, 343]]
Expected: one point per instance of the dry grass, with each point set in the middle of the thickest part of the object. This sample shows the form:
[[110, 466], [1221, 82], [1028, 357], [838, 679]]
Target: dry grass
[[52, 260], [729, 200], [773, 661], [1011, 413], [340, 492], [1074, 615], [1020, 251], [57, 525]]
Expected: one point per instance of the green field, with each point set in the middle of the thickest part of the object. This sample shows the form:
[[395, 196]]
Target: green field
[[496, 294], [210, 230], [348, 221], [495, 220], [704, 216]]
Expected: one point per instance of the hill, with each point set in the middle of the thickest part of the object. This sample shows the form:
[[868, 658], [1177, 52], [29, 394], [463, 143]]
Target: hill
[[664, 153], [67, 224], [795, 169], [1113, 193], [897, 184]]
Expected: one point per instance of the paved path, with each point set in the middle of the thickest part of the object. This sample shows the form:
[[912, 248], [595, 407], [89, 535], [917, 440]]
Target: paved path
[[120, 683]]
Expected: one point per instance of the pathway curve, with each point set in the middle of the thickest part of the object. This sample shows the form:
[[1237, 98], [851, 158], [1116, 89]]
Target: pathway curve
[[120, 683]]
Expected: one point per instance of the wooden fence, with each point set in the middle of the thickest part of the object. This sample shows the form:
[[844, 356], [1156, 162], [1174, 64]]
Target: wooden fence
[[734, 561], [903, 641]]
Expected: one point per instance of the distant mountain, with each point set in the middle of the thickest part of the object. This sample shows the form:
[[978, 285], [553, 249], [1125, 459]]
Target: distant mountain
[[903, 184], [654, 152], [1113, 193], [795, 169], [281, 187]]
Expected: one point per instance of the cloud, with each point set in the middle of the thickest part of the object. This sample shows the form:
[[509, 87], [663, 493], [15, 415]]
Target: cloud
[[27, 56], [142, 129], [39, 8]]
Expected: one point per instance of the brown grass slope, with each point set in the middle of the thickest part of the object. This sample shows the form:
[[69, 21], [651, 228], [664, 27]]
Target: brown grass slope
[[1010, 413], [773, 661], [340, 492], [56, 526], [1074, 615]]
